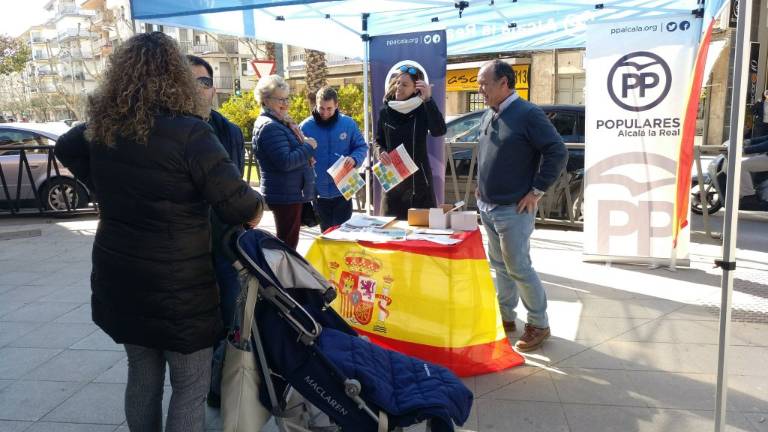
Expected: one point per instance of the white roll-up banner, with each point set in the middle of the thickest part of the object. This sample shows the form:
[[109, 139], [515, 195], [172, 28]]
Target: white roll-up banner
[[638, 82]]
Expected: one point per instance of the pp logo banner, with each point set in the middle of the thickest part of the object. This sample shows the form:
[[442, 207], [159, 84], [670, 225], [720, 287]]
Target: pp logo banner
[[639, 81]]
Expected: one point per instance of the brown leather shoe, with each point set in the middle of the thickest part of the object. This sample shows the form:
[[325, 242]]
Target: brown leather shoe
[[532, 338], [509, 326]]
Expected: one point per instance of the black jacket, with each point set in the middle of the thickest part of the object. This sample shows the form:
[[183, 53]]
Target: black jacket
[[152, 279], [395, 128]]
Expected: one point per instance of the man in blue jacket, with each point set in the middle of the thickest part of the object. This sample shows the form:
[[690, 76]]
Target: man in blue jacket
[[337, 136], [231, 137], [520, 155]]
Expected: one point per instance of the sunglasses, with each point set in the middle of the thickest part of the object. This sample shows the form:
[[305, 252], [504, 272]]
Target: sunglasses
[[408, 69], [205, 82], [281, 100]]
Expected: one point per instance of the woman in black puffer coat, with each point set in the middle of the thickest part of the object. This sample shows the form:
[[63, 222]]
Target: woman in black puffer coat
[[408, 114], [157, 170]]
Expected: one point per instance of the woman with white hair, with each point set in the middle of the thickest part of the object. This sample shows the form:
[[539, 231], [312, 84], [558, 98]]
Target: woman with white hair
[[285, 157]]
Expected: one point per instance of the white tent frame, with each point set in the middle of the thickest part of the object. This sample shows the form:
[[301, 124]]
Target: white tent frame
[[730, 223]]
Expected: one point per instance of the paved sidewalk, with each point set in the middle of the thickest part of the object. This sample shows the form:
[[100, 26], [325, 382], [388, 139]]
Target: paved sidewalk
[[633, 349]]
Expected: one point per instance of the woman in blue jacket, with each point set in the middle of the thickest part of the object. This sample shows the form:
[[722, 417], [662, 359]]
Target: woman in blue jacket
[[337, 136], [285, 158]]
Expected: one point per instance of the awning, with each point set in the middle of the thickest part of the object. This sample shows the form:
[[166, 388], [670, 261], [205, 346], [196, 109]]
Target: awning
[[479, 27]]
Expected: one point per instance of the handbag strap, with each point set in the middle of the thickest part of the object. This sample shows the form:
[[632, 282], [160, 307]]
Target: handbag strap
[[250, 305]]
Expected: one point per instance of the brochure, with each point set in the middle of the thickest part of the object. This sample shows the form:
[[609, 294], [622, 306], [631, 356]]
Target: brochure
[[347, 180], [364, 221], [402, 167], [373, 234]]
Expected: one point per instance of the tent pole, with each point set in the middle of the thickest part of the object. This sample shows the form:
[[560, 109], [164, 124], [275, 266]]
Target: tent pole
[[728, 262], [366, 105]]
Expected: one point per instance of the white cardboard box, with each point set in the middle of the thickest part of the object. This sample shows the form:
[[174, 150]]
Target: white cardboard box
[[464, 221], [438, 219]]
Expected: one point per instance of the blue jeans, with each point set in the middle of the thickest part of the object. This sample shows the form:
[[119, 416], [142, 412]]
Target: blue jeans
[[333, 211], [509, 245]]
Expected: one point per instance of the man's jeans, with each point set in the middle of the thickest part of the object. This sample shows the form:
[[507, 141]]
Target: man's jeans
[[509, 247]]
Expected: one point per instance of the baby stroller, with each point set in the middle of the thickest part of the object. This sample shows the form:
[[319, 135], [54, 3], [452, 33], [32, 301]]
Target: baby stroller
[[317, 373]]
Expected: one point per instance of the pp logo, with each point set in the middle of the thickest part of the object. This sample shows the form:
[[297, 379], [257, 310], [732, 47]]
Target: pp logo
[[639, 81], [435, 38], [342, 136]]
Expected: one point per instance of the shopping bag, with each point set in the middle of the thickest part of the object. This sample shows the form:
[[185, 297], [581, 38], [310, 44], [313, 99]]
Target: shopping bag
[[241, 410]]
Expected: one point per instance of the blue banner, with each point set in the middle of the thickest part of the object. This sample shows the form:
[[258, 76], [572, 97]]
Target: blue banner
[[428, 52]]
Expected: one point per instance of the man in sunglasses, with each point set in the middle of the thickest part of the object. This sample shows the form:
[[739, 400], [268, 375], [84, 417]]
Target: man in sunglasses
[[231, 138]]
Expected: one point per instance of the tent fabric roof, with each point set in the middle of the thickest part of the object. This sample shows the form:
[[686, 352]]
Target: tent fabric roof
[[335, 26]]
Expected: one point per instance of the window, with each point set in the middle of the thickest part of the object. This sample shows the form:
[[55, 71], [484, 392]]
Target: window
[[467, 129], [475, 102], [9, 137], [565, 123], [570, 89]]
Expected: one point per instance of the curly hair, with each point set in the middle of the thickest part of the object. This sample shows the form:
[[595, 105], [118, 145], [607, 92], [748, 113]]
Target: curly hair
[[146, 76]]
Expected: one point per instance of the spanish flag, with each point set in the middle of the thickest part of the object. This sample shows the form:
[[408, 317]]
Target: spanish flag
[[685, 158], [435, 302]]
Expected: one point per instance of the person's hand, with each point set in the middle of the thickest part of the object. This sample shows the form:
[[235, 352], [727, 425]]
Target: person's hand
[[424, 89], [311, 141], [384, 158], [312, 161], [528, 203], [349, 162]]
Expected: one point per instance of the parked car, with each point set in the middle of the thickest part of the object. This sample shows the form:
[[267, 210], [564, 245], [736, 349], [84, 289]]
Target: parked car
[[464, 132], [52, 188]]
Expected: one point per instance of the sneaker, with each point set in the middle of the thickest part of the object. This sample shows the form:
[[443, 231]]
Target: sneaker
[[509, 326], [532, 338], [213, 400]]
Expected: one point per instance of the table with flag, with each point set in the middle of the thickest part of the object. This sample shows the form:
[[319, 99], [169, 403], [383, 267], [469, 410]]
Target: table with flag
[[431, 301]]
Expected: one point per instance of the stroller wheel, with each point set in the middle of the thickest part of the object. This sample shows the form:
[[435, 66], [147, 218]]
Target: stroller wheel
[[352, 387]]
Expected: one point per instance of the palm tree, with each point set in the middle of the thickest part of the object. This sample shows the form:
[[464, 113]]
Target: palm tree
[[316, 71]]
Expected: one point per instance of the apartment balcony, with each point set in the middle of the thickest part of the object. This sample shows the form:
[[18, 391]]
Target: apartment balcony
[[73, 10], [76, 54], [228, 46], [40, 57], [38, 40], [297, 61], [74, 33], [79, 76]]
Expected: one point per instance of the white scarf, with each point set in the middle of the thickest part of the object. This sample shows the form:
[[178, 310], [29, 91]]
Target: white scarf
[[406, 106]]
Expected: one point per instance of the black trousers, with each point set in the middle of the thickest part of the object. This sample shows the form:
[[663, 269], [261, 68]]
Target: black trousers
[[333, 211]]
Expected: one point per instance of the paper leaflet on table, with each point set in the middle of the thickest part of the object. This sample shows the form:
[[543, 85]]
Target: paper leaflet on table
[[439, 239], [392, 174], [366, 234], [365, 221], [347, 179]]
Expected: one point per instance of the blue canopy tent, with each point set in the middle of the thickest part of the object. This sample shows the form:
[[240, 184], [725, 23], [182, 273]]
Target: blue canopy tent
[[472, 27]]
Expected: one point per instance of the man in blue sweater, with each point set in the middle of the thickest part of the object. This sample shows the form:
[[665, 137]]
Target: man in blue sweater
[[337, 136], [520, 155]]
